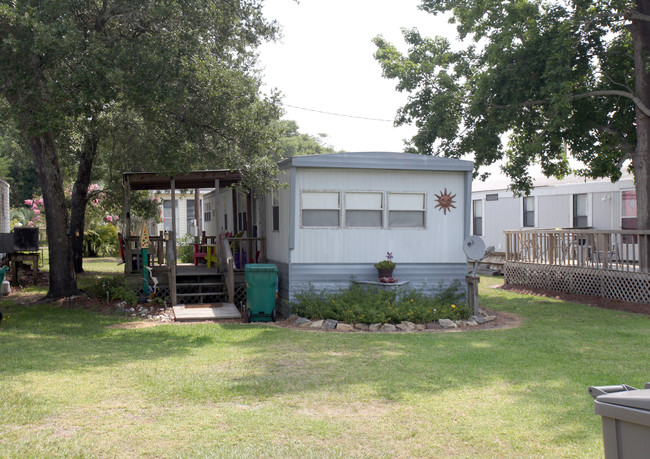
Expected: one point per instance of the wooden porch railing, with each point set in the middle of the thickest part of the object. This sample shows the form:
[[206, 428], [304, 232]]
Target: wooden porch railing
[[246, 250], [622, 250]]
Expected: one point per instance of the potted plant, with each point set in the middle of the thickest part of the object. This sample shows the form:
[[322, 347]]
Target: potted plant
[[385, 267]]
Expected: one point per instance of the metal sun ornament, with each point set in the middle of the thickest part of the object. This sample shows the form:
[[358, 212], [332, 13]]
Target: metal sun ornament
[[445, 201]]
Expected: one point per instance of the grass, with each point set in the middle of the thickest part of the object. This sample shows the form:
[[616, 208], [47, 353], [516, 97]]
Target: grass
[[75, 385]]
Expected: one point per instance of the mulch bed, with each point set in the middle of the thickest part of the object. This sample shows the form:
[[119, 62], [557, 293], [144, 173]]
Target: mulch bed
[[606, 303]]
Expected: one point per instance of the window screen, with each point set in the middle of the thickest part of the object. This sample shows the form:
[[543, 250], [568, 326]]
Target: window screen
[[321, 209], [406, 210], [363, 210], [275, 204]]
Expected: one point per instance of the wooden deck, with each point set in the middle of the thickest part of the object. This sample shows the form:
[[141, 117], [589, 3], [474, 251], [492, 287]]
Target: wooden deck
[[217, 311]]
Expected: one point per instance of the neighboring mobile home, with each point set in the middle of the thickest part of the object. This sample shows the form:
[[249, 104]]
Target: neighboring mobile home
[[573, 202]]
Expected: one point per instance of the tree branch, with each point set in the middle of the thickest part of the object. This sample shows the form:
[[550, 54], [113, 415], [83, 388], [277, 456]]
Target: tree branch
[[603, 92]]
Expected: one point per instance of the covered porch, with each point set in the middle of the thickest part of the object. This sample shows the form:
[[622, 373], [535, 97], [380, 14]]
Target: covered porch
[[216, 275], [609, 264]]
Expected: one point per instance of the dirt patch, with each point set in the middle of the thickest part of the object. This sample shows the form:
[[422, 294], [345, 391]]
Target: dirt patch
[[606, 303]]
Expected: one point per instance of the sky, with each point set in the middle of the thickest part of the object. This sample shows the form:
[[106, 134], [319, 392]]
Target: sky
[[324, 63]]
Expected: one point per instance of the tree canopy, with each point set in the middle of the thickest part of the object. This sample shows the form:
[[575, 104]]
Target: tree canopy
[[180, 74], [532, 81]]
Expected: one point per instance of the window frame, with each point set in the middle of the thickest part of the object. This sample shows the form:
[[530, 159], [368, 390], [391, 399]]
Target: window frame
[[477, 222], [528, 215], [275, 211], [634, 222], [381, 209], [302, 209], [423, 211], [576, 217]]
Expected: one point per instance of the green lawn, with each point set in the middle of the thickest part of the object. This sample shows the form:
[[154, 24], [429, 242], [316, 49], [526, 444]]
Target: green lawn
[[73, 385]]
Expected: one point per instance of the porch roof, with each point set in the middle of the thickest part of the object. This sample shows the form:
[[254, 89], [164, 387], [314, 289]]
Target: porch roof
[[188, 180]]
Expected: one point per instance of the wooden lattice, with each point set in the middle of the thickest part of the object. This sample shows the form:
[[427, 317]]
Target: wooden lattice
[[621, 285]]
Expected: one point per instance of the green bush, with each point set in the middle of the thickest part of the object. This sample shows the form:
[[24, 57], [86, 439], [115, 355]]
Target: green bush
[[368, 304], [115, 287], [101, 241], [185, 249]]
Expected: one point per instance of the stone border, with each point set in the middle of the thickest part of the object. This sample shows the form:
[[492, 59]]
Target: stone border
[[443, 324]]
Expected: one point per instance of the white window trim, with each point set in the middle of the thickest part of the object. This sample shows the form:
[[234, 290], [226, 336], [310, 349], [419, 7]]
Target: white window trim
[[339, 209], [425, 211], [344, 209]]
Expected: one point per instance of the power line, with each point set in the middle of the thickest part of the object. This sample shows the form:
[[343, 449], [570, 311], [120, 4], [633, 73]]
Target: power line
[[338, 114]]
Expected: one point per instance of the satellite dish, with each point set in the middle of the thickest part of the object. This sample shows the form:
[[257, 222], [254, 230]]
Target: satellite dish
[[474, 248]]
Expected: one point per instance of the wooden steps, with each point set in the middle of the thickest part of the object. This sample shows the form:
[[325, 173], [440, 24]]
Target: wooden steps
[[217, 311]]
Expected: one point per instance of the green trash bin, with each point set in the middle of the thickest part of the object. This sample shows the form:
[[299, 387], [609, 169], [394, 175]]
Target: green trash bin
[[261, 292]]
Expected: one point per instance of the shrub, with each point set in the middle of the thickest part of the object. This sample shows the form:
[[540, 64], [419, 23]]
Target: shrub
[[101, 241], [115, 287], [185, 249], [377, 305]]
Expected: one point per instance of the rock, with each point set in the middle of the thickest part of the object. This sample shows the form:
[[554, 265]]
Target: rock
[[420, 327], [471, 323], [446, 323], [374, 327], [388, 328], [121, 311], [479, 319], [316, 324], [329, 324], [302, 321], [405, 326], [344, 327], [292, 318], [362, 327], [491, 318]]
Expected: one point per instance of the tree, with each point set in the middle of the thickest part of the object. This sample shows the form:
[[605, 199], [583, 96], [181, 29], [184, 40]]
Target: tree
[[295, 143], [542, 78], [185, 68]]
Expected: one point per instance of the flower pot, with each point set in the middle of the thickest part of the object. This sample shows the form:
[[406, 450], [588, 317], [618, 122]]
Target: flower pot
[[384, 272]]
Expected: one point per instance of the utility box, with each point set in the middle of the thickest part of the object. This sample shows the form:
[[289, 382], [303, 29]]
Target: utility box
[[26, 239], [261, 292], [625, 413]]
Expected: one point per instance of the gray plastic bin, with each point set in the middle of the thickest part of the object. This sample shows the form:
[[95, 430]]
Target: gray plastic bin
[[625, 414]]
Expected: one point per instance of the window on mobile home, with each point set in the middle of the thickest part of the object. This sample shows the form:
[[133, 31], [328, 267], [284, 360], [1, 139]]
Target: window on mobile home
[[167, 216], [406, 210], [529, 211], [580, 211], [275, 204], [207, 215], [477, 208], [192, 224], [628, 210], [364, 210], [321, 209]]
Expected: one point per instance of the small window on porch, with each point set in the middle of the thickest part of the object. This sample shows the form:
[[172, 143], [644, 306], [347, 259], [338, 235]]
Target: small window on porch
[[406, 210], [529, 211], [580, 211], [364, 210], [321, 209]]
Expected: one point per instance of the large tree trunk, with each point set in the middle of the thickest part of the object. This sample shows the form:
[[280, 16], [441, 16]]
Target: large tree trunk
[[62, 278], [80, 199], [640, 30]]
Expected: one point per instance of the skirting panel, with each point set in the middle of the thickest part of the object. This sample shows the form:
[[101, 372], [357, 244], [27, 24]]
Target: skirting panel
[[620, 285]]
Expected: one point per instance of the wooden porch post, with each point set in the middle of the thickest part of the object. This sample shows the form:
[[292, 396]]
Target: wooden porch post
[[172, 240], [197, 211]]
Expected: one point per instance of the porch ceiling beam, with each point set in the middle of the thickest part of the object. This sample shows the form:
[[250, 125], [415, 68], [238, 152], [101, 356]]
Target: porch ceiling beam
[[190, 180]]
